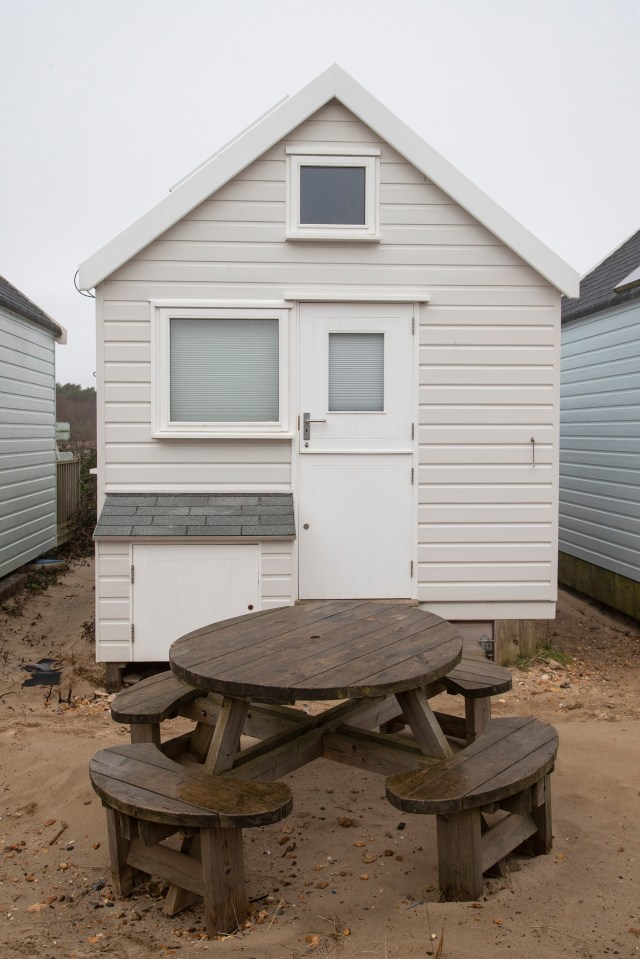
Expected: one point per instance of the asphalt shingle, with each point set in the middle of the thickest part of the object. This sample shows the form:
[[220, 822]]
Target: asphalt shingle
[[598, 288], [198, 514]]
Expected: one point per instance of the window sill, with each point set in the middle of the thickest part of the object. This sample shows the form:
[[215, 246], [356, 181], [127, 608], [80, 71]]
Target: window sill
[[334, 237], [221, 435]]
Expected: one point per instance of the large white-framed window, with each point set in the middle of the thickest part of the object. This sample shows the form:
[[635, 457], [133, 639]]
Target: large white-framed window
[[333, 195], [220, 371]]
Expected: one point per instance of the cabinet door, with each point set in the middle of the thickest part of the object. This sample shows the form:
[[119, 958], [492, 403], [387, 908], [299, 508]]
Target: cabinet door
[[181, 587]]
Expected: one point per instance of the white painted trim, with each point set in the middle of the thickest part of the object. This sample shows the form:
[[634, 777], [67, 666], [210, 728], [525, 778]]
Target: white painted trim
[[194, 540], [223, 304], [369, 230], [355, 294], [491, 611], [161, 425], [334, 82], [334, 152]]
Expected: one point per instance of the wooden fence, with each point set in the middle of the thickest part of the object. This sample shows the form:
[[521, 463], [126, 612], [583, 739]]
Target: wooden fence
[[68, 497]]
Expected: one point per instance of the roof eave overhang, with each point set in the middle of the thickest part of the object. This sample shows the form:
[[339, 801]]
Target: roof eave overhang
[[333, 83]]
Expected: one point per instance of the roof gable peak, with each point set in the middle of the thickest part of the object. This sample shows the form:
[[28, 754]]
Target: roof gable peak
[[264, 133]]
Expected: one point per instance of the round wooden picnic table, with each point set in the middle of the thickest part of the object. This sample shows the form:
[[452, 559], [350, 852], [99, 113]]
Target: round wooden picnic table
[[324, 650]]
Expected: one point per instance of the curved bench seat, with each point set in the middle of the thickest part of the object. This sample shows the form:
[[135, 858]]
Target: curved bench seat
[[507, 768], [148, 797]]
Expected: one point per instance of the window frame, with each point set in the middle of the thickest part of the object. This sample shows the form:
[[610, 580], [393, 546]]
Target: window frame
[[298, 157], [162, 425]]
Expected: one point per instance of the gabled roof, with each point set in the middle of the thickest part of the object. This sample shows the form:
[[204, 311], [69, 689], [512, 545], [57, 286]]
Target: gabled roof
[[333, 83], [15, 301], [609, 283]]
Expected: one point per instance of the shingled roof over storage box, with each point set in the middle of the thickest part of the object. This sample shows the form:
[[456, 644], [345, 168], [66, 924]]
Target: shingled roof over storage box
[[197, 514]]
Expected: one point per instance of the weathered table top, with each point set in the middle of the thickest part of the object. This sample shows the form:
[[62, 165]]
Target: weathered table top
[[342, 649]]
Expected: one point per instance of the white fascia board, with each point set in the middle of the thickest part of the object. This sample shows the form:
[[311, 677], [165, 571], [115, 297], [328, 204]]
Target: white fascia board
[[334, 82], [434, 166], [196, 187]]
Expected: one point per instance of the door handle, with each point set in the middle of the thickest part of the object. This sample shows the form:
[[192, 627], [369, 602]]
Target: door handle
[[306, 425]]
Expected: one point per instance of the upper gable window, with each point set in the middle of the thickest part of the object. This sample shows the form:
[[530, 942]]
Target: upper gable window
[[332, 196]]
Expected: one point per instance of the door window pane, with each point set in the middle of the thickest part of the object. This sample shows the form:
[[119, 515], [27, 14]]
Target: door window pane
[[332, 195], [224, 371], [356, 372]]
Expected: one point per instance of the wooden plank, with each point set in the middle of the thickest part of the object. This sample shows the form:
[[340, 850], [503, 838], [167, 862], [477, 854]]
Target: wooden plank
[[225, 903], [152, 700], [226, 736], [176, 867], [474, 677], [347, 649], [123, 875], [424, 724], [502, 838], [454, 727], [145, 733], [178, 897], [542, 841], [151, 833], [510, 755], [373, 752], [459, 864], [278, 761], [223, 637], [261, 652], [136, 779], [289, 750], [360, 627], [477, 714], [200, 741]]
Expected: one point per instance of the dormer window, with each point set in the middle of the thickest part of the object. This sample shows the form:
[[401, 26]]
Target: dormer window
[[332, 196]]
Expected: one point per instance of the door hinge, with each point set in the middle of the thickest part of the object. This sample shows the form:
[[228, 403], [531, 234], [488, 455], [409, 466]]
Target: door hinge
[[133, 632], [413, 431], [132, 574], [412, 475], [411, 569], [413, 326]]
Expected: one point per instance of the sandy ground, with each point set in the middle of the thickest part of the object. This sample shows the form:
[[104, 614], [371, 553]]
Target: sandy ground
[[321, 889]]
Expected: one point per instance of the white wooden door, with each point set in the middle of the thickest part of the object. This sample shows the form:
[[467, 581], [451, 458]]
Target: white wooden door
[[355, 536], [180, 587]]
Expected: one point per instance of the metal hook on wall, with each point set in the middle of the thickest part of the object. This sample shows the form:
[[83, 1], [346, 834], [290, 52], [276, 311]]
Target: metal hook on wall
[[533, 451]]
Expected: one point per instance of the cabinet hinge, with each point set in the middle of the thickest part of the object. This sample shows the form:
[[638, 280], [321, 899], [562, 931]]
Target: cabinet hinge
[[133, 632], [132, 574], [413, 326], [412, 475]]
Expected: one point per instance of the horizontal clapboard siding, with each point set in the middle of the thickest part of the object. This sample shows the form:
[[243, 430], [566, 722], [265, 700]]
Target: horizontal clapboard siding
[[600, 441], [487, 372], [487, 515], [27, 442]]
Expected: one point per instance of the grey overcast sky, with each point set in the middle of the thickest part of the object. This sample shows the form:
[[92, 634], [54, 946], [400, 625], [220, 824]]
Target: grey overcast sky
[[106, 104]]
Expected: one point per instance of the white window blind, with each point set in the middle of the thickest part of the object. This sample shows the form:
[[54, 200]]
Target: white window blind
[[224, 370], [356, 372]]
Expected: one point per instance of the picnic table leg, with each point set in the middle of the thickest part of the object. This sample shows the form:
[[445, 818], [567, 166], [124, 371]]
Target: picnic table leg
[[145, 733], [459, 854], [226, 737], [225, 901], [477, 713], [423, 723]]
